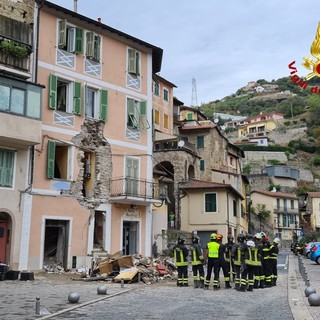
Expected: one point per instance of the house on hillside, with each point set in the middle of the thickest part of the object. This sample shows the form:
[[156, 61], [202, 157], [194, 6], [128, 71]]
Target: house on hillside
[[311, 214], [284, 218]]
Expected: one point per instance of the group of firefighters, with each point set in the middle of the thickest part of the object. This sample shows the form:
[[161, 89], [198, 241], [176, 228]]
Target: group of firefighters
[[250, 263]]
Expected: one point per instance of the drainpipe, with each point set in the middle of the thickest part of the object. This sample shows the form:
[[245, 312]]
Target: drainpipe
[[228, 221]]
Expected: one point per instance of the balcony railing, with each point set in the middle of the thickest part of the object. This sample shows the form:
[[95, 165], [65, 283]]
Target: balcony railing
[[129, 190], [174, 145], [286, 210]]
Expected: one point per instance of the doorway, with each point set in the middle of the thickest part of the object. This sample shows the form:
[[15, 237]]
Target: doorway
[[3, 241], [130, 237], [56, 241], [98, 235]]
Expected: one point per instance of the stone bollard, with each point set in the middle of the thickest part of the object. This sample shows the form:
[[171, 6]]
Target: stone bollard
[[37, 305], [122, 283], [309, 290], [73, 297], [102, 289], [314, 299]]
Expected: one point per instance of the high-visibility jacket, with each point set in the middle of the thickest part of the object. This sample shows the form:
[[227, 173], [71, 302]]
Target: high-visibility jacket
[[180, 255], [239, 253], [265, 250], [273, 253], [213, 249], [253, 258], [196, 254]]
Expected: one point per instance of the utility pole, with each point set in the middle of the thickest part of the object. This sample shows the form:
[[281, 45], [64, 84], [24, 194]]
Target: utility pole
[[194, 98]]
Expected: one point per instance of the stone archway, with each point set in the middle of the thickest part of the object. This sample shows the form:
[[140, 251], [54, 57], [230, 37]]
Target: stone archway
[[5, 237]]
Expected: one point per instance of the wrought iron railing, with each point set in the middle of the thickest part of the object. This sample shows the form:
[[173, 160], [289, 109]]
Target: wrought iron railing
[[138, 188]]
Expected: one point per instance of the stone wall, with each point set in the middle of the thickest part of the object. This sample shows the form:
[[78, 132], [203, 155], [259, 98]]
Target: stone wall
[[20, 10]]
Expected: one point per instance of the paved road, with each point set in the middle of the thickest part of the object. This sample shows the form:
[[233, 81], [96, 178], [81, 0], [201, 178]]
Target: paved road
[[163, 301]]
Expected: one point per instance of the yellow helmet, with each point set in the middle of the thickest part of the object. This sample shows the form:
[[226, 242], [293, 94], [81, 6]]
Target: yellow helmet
[[213, 236]]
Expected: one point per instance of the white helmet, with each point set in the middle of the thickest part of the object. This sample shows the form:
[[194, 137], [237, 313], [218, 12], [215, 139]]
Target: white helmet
[[258, 236], [276, 240]]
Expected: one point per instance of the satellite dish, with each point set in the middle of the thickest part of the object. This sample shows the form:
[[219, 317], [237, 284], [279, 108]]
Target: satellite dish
[[216, 120], [181, 143]]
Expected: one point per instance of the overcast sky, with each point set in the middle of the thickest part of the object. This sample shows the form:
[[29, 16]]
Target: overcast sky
[[221, 44]]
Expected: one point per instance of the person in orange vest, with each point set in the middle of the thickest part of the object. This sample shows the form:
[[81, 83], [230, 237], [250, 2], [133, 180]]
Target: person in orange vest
[[212, 255], [197, 261], [180, 254]]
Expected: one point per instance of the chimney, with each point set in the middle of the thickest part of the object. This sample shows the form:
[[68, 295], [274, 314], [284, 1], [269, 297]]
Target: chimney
[[75, 5], [99, 20]]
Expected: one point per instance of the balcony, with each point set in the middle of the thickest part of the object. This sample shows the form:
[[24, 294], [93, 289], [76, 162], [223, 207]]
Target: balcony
[[286, 210], [175, 145], [135, 191]]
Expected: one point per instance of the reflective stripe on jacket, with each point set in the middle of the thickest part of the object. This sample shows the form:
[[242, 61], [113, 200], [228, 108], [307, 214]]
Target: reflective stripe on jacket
[[254, 258]]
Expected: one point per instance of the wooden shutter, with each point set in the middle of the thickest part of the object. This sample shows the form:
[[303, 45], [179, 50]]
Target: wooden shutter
[[79, 40], [103, 105], [166, 121], [51, 159], [144, 124], [53, 91], [132, 67], [201, 165], [97, 46], [130, 113], [77, 98], [62, 42], [137, 63], [90, 44]]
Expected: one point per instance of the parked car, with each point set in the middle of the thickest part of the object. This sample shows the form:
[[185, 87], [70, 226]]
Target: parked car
[[315, 253], [307, 247]]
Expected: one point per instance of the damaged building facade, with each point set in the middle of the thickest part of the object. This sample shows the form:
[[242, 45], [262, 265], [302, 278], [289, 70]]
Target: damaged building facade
[[92, 187]]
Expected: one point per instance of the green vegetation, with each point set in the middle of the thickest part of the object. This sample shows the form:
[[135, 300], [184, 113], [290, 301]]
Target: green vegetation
[[17, 50]]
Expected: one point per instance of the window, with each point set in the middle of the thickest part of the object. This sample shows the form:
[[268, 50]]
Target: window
[[96, 103], [70, 38], [64, 95], [6, 168], [201, 165], [200, 142], [292, 204], [156, 89], [20, 98], [57, 161], [189, 116], [132, 175], [278, 203], [156, 117], [235, 210], [285, 206], [210, 202], [93, 46], [136, 114], [133, 62], [165, 95], [166, 121]]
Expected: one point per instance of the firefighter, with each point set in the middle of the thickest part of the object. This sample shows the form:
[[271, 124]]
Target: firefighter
[[222, 261], [229, 260], [273, 260], [265, 260], [212, 255], [259, 276], [197, 261], [253, 261], [180, 254], [239, 253]]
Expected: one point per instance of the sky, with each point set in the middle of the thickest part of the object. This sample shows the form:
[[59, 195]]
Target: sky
[[222, 45]]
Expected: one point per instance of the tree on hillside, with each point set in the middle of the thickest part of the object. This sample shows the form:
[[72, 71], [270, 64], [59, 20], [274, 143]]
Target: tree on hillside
[[314, 111], [261, 212]]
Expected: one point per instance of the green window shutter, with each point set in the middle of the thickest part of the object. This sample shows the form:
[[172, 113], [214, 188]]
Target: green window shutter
[[189, 116], [132, 66], [79, 40], [143, 108], [201, 165], [6, 167], [210, 202], [137, 63], [200, 142], [131, 119], [103, 105], [90, 44], [53, 91], [62, 33], [98, 41], [77, 98], [51, 159]]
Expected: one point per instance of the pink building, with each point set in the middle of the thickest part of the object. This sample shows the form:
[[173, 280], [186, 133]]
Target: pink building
[[93, 186]]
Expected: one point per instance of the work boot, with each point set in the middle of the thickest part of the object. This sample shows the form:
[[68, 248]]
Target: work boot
[[195, 284], [201, 284], [261, 286], [242, 288], [228, 285], [256, 284], [206, 287], [215, 288], [250, 288]]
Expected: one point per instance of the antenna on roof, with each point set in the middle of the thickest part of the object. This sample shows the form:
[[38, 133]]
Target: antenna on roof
[[194, 98]]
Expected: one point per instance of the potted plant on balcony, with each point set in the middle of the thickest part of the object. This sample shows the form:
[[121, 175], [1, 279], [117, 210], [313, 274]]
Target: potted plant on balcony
[[9, 47]]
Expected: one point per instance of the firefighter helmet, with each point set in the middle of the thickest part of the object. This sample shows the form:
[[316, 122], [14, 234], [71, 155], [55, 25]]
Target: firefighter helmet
[[219, 236], [258, 236], [195, 239], [241, 237], [230, 237], [181, 239], [276, 240], [249, 236], [213, 236]]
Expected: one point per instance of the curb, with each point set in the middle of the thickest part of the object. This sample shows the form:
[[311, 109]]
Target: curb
[[295, 296]]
